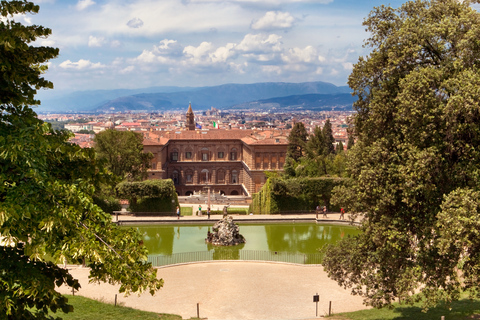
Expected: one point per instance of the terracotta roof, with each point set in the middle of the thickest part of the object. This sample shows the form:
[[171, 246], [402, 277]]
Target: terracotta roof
[[247, 136]]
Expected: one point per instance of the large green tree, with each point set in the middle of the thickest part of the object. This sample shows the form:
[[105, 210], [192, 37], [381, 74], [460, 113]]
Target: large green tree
[[415, 166], [46, 188], [123, 153]]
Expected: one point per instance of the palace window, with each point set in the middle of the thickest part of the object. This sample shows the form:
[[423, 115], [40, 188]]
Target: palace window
[[188, 155], [234, 176], [175, 177], [220, 155], [174, 156], [189, 176], [233, 154], [204, 156], [220, 176], [204, 176]]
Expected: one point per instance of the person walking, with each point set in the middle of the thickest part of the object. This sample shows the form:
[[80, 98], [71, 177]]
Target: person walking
[[342, 214], [325, 211], [178, 212], [208, 212], [200, 210]]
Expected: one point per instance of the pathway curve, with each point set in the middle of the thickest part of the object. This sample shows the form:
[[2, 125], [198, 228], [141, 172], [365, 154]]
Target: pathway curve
[[234, 290]]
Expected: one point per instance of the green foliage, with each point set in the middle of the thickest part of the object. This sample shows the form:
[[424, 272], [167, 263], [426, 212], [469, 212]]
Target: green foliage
[[328, 139], [123, 153], [317, 157], [297, 140], [46, 189], [108, 204], [294, 194], [149, 195], [88, 309], [414, 168]]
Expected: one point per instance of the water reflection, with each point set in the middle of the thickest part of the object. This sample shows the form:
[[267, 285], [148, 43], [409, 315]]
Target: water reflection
[[293, 238]]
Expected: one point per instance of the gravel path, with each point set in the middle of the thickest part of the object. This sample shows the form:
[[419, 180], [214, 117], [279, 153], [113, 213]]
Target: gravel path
[[233, 290]]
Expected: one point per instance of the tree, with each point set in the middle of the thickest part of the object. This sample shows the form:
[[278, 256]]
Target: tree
[[414, 167], [297, 140], [123, 153], [328, 138], [46, 193], [339, 148], [316, 143]]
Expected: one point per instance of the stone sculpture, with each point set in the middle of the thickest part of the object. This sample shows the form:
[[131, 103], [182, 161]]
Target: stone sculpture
[[225, 232]]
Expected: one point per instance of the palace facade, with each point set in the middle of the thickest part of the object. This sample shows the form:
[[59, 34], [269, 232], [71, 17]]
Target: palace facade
[[229, 162]]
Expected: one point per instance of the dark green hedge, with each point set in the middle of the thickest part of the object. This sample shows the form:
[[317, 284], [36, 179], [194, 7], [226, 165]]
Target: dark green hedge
[[149, 195], [295, 194], [108, 205]]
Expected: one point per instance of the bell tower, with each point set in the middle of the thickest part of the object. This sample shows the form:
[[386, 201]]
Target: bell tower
[[190, 124]]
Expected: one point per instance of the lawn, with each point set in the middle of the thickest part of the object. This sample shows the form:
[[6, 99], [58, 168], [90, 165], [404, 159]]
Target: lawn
[[460, 310], [88, 309]]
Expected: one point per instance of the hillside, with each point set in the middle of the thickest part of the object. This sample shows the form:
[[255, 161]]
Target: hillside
[[307, 95]]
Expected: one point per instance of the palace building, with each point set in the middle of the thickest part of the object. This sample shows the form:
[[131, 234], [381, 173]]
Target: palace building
[[227, 161]]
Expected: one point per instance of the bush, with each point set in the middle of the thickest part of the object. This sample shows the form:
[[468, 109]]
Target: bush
[[295, 194], [149, 195], [108, 204]]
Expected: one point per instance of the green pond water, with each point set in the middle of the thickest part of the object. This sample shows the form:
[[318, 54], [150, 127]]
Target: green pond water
[[303, 238]]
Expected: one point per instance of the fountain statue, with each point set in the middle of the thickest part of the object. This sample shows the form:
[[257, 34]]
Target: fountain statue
[[225, 233]]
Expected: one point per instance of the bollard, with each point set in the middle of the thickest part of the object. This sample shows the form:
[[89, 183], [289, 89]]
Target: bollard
[[330, 309], [198, 310], [115, 299]]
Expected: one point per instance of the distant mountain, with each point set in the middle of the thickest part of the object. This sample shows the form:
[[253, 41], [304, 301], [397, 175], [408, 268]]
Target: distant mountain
[[305, 95], [313, 102]]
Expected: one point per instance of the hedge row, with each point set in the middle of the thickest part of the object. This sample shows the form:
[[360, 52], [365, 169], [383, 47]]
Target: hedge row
[[149, 195], [295, 194]]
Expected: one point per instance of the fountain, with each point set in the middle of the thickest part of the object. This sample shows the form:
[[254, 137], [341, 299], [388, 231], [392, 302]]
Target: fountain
[[225, 233]]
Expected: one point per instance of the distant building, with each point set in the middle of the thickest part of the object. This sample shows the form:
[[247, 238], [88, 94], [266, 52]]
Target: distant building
[[230, 162]]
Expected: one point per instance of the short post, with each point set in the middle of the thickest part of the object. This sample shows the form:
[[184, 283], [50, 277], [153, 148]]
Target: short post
[[443, 317], [316, 298], [198, 310], [115, 299], [330, 309]]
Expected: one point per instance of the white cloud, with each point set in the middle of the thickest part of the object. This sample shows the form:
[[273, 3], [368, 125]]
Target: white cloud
[[274, 20], [260, 43], [296, 55], [168, 48], [95, 42], [115, 44], [80, 65], [84, 4], [135, 23], [199, 54], [222, 54], [126, 70]]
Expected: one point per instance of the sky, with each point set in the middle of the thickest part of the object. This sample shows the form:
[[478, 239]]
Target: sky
[[131, 44]]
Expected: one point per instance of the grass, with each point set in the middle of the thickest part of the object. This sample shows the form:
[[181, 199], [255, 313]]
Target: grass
[[460, 310], [88, 309]]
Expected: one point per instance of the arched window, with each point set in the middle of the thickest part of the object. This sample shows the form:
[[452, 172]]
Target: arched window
[[175, 177], [204, 176], [189, 176], [234, 176], [234, 193], [188, 193]]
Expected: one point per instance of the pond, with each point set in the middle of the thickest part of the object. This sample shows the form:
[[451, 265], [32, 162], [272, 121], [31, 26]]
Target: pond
[[292, 238]]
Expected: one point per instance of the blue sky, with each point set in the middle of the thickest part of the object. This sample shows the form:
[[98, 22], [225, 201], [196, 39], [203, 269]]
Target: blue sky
[[113, 44]]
